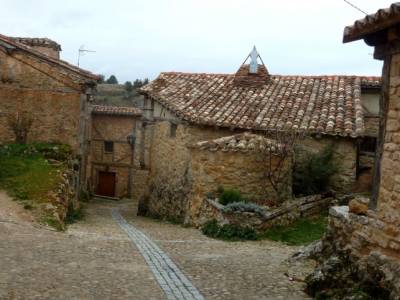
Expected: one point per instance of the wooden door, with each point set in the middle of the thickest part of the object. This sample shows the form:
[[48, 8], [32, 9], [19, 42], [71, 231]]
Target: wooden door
[[106, 186]]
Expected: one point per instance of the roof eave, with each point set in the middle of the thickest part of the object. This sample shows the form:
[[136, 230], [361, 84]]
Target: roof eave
[[371, 24]]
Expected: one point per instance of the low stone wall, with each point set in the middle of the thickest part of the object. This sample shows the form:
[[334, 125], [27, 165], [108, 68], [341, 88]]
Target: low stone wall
[[244, 171], [359, 252], [286, 214], [63, 199]]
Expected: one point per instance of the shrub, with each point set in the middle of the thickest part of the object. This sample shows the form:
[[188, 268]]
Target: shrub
[[230, 196], [74, 215], [228, 231], [84, 196], [312, 174], [244, 207]]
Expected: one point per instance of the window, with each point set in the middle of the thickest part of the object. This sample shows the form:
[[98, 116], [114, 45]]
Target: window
[[172, 130], [108, 147], [368, 144]]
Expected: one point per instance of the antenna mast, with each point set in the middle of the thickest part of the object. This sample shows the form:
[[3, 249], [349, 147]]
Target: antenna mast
[[82, 51], [352, 5]]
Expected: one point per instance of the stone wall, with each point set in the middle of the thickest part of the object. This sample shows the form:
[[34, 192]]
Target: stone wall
[[170, 177], [287, 213], [389, 194], [54, 106], [359, 252], [242, 171]]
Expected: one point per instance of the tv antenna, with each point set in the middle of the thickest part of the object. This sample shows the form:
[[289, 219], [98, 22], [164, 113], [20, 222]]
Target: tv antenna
[[82, 51], [356, 7]]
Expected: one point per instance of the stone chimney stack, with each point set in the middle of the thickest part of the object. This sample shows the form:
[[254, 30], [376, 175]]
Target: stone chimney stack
[[42, 45], [252, 74]]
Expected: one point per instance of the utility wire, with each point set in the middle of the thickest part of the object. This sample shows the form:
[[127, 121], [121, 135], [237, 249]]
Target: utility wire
[[352, 5]]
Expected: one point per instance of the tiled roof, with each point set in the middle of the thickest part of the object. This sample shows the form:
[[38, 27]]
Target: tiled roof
[[116, 110], [319, 104], [43, 42], [372, 23], [244, 142], [11, 44]]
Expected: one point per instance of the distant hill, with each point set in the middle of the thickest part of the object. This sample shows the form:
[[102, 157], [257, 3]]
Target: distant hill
[[117, 95]]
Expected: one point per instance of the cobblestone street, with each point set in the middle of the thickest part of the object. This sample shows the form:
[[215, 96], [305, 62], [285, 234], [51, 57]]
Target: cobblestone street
[[128, 257]]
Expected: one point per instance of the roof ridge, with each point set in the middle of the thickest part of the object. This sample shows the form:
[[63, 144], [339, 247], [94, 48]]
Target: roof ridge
[[274, 75]]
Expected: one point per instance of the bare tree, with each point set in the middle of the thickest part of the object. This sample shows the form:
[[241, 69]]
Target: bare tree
[[20, 123], [278, 149]]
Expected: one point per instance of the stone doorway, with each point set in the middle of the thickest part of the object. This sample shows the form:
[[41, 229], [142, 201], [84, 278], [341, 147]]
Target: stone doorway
[[106, 184]]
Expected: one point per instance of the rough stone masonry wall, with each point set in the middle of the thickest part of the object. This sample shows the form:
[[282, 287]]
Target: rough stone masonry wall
[[244, 172], [170, 177], [389, 195], [53, 106]]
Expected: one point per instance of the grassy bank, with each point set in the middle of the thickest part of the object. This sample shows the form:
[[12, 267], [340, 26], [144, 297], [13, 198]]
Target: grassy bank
[[301, 232], [31, 174]]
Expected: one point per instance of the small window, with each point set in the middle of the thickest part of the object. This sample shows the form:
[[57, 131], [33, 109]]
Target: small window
[[368, 144], [172, 130], [108, 147]]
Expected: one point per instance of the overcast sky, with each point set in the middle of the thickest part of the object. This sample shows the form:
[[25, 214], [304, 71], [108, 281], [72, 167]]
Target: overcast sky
[[137, 39]]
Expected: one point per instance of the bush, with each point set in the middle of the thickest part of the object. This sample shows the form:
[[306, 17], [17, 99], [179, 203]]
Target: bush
[[230, 196], [244, 207], [74, 215], [228, 232], [312, 174]]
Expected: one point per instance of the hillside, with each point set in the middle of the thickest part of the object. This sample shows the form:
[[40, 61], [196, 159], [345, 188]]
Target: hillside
[[117, 95]]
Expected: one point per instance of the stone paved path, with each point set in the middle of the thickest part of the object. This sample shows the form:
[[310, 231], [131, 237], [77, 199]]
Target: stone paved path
[[169, 277], [96, 259]]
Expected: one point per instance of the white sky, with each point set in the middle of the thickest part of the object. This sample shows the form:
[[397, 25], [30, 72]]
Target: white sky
[[137, 39]]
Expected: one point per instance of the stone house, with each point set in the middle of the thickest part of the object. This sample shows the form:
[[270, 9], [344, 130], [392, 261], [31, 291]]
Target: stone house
[[186, 108], [52, 94], [115, 163], [365, 236]]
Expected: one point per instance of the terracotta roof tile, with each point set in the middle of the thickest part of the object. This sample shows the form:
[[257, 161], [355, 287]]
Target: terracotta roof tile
[[115, 110], [372, 23], [320, 104], [244, 142]]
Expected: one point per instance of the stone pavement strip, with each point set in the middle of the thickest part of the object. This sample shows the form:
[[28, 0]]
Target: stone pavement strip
[[173, 282]]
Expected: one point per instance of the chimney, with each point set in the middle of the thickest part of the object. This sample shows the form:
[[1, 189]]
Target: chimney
[[252, 74], [42, 45]]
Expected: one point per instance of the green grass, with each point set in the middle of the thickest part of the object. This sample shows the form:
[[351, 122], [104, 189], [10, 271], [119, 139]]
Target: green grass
[[302, 232], [27, 178]]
